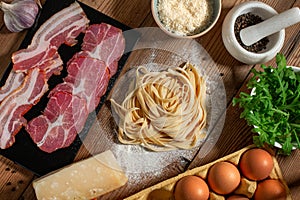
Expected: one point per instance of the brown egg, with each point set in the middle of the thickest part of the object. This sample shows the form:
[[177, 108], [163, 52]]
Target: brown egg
[[270, 189], [237, 197], [256, 164], [223, 177], [191, 188]]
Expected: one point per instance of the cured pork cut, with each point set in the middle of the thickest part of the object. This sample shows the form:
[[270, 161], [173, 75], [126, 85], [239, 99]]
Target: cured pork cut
[[103, 42], [89, 72], [38, 62], [64, 115], [18, 95], [18, 103], [62, 27], [13, 81], [87, 78]]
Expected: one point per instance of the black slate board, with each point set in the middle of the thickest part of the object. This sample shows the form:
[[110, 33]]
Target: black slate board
[[24, 151]]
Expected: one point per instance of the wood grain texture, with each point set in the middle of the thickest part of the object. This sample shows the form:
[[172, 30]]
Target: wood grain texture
[[240, 135], [10, 42], [132, 13], [236, 74], [16, 181]]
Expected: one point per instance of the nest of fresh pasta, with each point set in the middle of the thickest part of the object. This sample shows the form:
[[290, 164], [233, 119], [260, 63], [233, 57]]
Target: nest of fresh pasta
[[163, 110]]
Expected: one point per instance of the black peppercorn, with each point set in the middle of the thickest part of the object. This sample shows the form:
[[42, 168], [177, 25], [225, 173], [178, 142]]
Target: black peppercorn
[[246, 20]]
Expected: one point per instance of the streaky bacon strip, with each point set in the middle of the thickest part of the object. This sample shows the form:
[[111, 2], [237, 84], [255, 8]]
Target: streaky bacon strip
[[62, 27], [40, 56], [63, 118], [18, 103], [13, 81], [96, 40], [87, 78], [19, 94], [54, 67]]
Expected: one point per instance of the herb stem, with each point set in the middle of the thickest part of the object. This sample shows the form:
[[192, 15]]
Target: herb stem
[[281, 87], [295, 125], [289, 107], [280, 111]]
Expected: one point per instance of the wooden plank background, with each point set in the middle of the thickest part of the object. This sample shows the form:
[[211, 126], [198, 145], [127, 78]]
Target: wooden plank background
[[16, 181]]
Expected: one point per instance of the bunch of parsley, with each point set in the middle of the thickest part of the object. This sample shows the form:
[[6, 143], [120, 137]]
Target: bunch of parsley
[[273, 107]]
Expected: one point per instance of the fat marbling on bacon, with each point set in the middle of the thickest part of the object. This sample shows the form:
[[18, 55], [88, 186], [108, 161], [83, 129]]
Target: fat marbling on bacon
[[18, 103], [18, 95], [62, 27], [38, 62], [89, 72], [13, 81]]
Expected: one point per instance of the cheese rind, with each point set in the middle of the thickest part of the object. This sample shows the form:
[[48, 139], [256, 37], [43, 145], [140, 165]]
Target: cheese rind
[[85, 179]]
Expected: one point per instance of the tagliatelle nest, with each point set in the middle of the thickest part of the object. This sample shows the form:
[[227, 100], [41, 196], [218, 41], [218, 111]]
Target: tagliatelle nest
[[165, 110]]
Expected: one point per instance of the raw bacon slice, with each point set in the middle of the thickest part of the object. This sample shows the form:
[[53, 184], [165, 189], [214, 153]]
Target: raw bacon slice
[[54, 67], [20, 92], [13, 81], [87, 78], [89, 72], [63, 27], [64, 117], [103, 42], [18, 103], [18, 96]]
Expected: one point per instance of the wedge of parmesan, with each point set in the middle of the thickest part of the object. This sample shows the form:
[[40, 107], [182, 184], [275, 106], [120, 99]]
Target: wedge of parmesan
[[85, 179]]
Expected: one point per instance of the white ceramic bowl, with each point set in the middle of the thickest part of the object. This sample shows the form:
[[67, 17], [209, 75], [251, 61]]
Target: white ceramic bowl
[[232, 45], [216, 4]]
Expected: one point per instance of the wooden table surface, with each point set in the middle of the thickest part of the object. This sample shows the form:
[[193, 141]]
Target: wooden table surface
[[15, 181]]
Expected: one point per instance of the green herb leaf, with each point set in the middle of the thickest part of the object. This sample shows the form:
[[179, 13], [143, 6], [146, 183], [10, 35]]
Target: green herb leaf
[[273, 107]]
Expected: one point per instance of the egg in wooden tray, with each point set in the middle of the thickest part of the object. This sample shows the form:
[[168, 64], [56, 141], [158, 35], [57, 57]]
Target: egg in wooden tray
[[225, 179]]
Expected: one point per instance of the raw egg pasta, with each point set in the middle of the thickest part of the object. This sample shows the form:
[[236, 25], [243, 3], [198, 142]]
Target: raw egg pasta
[[164, 110]]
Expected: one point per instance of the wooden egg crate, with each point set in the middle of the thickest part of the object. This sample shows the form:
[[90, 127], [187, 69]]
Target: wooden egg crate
[[165, 189]]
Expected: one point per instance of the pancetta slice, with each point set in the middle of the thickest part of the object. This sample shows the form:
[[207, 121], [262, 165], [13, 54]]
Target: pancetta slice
[[62, 27], [54, 67], [103, 42], [13, 81], [87, 78], [33, 66], [63, 118], [14, 106], [20, 92]]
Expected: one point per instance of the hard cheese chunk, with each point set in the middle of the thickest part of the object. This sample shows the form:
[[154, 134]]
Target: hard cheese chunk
[[86, 179]]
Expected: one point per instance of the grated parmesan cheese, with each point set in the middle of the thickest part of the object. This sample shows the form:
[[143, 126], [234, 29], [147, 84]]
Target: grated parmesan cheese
[[184, 17]]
